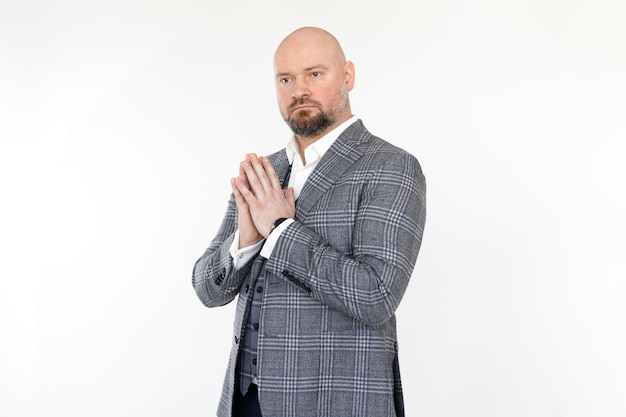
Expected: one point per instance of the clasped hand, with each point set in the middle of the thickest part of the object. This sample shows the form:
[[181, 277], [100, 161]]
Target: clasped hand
[[260, 199]]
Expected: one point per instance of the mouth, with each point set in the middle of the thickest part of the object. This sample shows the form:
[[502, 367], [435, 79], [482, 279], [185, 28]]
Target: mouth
[[302, 107], [303, 104]]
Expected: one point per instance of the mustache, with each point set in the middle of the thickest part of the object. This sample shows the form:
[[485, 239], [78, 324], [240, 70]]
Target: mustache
[[303, 102]]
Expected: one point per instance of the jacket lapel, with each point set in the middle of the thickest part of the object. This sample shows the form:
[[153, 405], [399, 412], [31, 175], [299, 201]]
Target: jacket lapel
[[339, 157], [282, 167]]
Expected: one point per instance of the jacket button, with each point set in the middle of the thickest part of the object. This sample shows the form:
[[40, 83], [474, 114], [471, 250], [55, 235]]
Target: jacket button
[[259, 289]]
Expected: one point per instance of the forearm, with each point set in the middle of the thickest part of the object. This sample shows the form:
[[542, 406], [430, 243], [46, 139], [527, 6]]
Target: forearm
[[214, 277], [361, 267], [366, 288]]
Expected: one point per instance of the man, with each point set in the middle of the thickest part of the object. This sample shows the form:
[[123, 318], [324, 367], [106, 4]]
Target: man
[[319, 242]]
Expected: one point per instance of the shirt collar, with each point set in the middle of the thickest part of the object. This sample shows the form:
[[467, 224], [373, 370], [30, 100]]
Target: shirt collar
[[321, 145]]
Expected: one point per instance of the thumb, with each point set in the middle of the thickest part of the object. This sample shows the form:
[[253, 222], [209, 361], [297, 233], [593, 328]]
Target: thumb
[[290, 196]]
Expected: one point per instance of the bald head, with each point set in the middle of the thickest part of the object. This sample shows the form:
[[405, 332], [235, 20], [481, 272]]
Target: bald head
[[313, 79], [313, 40]]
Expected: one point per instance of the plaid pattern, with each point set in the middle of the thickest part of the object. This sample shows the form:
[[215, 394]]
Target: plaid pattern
[[327, 344], [248, 357]]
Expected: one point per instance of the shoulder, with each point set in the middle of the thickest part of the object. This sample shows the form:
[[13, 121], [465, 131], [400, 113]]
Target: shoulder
[[376, 151]]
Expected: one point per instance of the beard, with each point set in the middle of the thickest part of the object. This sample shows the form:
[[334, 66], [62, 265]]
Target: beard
[[304, 125]]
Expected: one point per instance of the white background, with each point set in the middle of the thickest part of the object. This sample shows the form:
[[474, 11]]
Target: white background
[[121, 123]]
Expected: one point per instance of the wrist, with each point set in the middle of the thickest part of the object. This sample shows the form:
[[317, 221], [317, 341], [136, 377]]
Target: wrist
[[245, 243], [277, 223]]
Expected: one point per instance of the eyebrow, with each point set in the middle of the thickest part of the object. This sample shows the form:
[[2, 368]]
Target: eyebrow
[[314, 67]]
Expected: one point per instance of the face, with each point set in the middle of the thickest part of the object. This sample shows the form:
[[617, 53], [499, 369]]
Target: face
[[312, 84]]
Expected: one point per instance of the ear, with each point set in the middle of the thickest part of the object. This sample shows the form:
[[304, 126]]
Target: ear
[[348, 71]]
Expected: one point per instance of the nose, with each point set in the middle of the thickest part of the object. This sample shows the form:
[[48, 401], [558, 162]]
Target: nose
[[300, 89]]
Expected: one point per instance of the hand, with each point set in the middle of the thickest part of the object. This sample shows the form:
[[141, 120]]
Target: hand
[[248, 233], [259, 187]]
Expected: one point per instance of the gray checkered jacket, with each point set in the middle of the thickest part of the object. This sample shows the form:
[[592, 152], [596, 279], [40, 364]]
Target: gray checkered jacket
[[327, 341]]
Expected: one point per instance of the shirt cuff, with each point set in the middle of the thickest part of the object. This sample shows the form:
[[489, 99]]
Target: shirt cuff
[[243, 255], [271, 240]]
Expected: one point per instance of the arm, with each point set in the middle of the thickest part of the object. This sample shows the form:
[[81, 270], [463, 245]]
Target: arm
[[214, 278], [357, 254]]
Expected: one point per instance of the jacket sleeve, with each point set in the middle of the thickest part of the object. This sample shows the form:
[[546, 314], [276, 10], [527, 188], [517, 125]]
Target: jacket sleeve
[[358, 255], [214, 279]]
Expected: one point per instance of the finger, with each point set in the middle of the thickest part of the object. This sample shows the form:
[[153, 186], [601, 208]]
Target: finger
[[245, 192], [290, 196], [270, 172], [239, 199], [242, 174], [259, 167], [256, 179]]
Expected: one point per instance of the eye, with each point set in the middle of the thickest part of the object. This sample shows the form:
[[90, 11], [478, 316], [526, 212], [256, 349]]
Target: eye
[[284, 80], [316, 74]]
